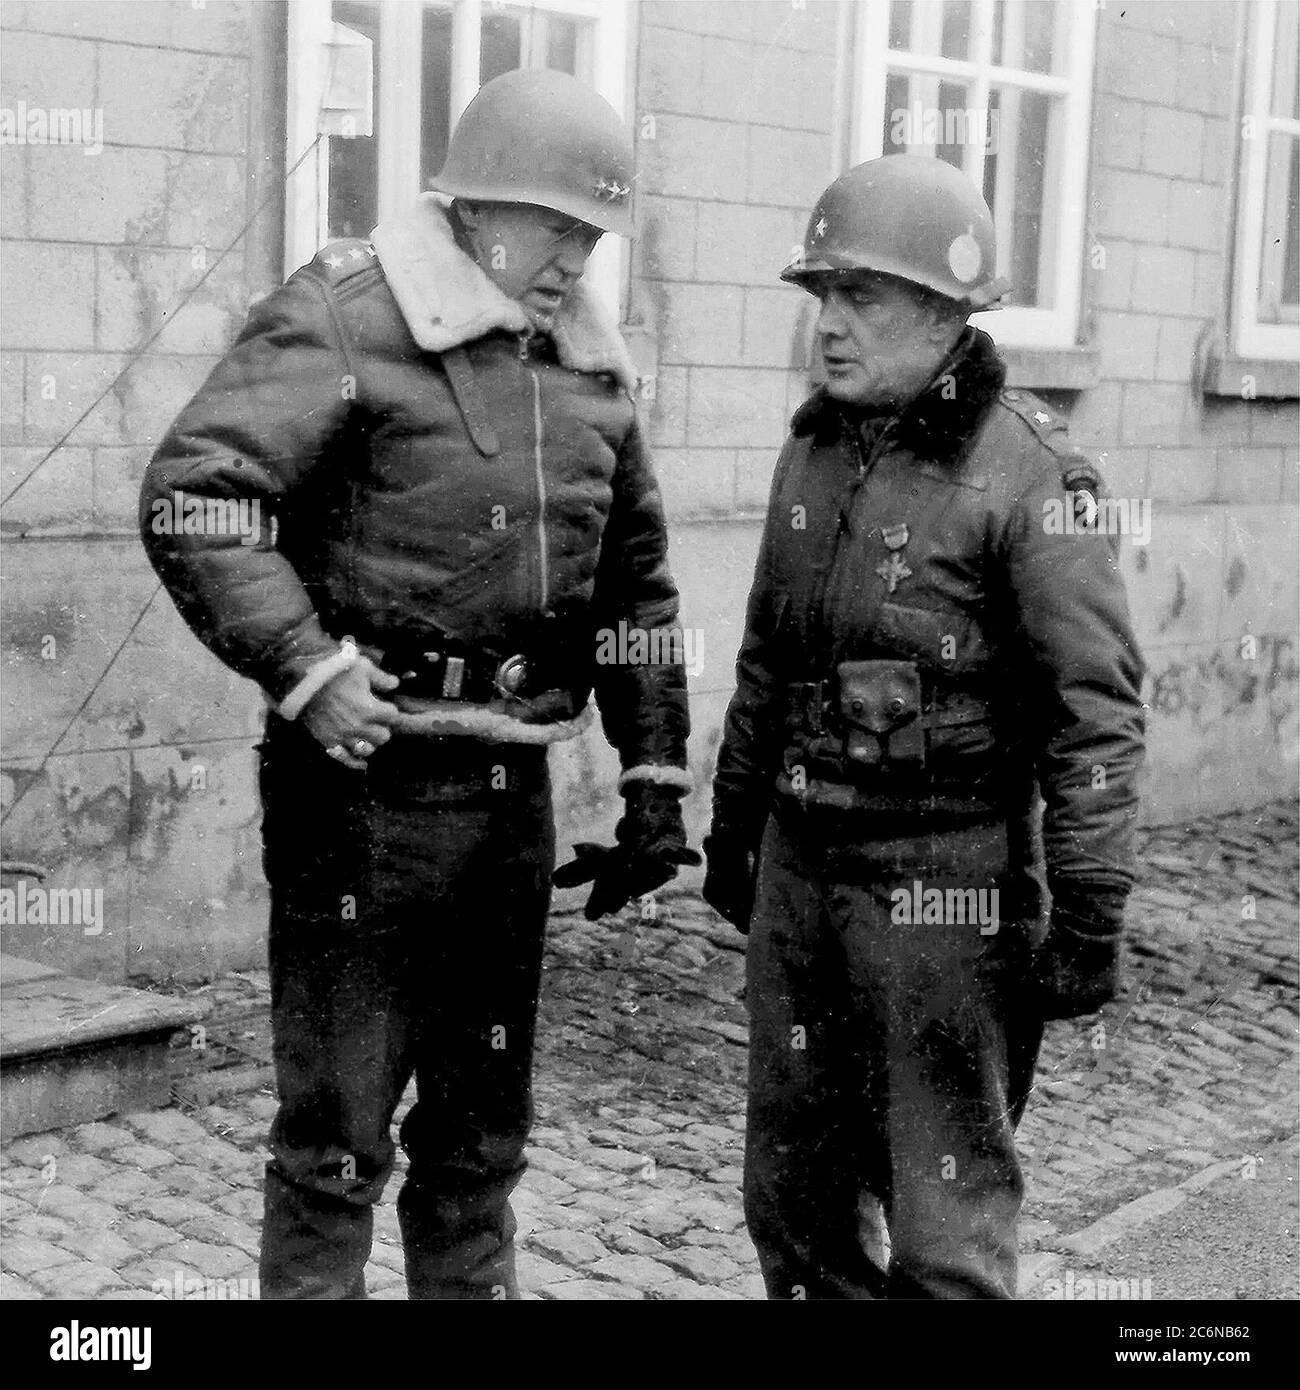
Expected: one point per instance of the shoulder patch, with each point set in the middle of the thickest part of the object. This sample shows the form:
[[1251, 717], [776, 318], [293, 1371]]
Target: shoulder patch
[[1079, 471], [341, 260]]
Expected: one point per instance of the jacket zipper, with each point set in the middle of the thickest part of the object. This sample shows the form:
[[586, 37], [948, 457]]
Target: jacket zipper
[[543, 548]]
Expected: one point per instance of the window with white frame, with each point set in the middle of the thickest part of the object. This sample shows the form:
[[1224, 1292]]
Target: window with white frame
[[429, 58], [1001, 89], [1266, 289]]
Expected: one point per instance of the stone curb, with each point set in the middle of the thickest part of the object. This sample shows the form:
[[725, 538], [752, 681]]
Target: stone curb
[[1123, 1221]]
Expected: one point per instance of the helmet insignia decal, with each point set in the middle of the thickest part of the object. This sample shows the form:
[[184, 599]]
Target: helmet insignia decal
[[611, 191], [965, 257], [820, 228]]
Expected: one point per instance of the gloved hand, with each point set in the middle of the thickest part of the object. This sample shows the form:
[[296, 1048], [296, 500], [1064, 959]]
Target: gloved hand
[[1076, 969], [729, 879], [651, 846]]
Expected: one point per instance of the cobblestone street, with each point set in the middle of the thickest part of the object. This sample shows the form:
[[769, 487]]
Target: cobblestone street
[[634, 1185]]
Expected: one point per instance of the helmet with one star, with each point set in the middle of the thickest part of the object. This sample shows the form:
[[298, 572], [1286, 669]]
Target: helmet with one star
[[910, 216], [542, 137]]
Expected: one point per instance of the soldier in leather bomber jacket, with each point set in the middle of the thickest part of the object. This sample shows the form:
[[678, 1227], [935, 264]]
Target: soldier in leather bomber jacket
[[936, 634], [455, 500]]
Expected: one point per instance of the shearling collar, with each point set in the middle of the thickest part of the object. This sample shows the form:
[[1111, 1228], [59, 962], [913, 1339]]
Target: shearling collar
[[447, 300], [942, 421]]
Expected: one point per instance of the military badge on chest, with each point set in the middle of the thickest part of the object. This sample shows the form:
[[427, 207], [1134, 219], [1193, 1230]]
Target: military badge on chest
[[895, 569]]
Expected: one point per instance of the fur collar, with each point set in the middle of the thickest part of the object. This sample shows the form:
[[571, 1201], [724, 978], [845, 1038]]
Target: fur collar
[[447, 300], [936, 424]]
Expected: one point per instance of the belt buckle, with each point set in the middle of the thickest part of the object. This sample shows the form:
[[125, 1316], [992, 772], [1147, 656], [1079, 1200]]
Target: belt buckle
[[510, 676]]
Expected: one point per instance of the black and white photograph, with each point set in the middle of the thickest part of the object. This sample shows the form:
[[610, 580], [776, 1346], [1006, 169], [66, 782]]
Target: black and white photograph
[[650, 654]]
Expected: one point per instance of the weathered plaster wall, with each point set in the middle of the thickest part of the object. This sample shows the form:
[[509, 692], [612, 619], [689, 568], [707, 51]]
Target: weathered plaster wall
[[1221, 473], [146, 791]]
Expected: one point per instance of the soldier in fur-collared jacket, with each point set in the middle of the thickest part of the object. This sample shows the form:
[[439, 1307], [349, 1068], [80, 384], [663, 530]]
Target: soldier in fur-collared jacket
[[937, 633], [455, 501]]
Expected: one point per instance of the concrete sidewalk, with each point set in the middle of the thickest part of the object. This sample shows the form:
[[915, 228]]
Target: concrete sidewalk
[[633, 1190]]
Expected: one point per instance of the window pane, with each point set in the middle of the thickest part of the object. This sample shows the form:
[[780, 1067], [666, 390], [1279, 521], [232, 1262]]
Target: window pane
[[354, 163], [900, 24], [1279, 277], [1015, 187], [1024, 33], [435, 91], [931, 26], [501, 51], [1285, 51], [955, 41], [897, 119]]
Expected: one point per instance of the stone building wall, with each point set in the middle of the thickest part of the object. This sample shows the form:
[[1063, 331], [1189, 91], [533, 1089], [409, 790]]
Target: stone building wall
[[139, 776]]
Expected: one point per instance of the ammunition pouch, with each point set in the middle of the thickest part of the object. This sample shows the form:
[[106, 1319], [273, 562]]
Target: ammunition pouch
[[880, 706], [876, 726]]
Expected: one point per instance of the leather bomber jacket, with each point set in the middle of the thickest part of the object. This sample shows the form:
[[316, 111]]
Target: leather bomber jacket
[[930, 538], [479, 484]]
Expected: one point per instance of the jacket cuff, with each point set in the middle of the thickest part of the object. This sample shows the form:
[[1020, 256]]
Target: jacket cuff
[[316, 679], [660, 776]]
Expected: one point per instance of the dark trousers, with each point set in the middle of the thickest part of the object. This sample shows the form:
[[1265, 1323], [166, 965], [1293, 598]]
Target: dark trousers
[[890, 1061], [408, 906]]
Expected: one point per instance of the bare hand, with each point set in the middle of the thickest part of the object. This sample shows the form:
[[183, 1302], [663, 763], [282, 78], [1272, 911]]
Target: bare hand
[[345, 712]]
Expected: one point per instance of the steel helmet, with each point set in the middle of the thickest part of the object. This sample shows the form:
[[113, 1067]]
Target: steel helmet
[[542, 137], [909, 215]]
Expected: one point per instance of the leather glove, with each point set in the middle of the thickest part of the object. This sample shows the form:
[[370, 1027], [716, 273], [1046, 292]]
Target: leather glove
[[1076, 969], [729, 879], [651, 846]]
